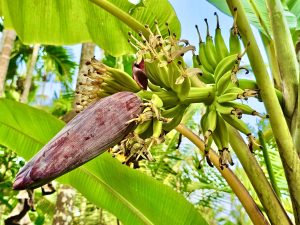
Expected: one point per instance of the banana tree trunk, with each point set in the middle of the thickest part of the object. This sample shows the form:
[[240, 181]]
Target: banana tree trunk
[[64, 206], [87, 52], [30, 67], [7, 42]]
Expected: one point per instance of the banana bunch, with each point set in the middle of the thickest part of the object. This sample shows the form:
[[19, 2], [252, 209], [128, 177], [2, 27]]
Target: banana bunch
[[211, 52], [163, 61], [101, 81], [225, 110]]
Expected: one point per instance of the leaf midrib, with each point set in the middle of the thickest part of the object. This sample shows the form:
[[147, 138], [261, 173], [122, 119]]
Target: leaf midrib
[[120, 197]]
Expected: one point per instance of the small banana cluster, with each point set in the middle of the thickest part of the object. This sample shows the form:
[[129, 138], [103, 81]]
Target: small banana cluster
[[163, 61], [101, 81], [149, 131], [211, 52], [219, 67]]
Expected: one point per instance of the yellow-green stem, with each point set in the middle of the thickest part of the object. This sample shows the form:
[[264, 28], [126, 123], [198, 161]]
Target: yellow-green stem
[[272, 58], [123, 16], [287, 150], [286, 56], [200, 95], [265, 192], [268, 163], [238, 188]]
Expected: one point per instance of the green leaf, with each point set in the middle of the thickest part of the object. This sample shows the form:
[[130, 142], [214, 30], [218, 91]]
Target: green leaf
[[294, 7], [69, 22], [257, 13], [25, 129], [132, 196]]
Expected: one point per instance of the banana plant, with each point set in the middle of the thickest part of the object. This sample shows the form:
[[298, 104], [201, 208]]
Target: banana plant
[[163, 87]]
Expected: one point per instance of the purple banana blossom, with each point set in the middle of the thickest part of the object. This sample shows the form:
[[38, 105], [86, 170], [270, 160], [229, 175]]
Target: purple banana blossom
[[99, 127], [139, 75]]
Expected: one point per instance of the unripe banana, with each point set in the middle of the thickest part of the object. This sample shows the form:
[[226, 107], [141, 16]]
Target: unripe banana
[[246, 109], [202, 55], [217, 140], [234, 41], [153, 87], [228, 110], [206, 77], [223, 82], [222, 132], [210, 50], [210, 121], [237, 90], [225, 65], [221, 47], [247, 84], [176, 114], [237, 123], [156, 74], [206, 151], [157, 128], [156, 101], [228, 97], [182, 89], [124, 79], [142, 127]]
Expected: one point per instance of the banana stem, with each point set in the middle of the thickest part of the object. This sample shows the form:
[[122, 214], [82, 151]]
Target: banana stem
[[286, 55], [123, 16], [238, 188], [200, 95], [262, 187], [268, 163], [272, 58], [169, 98], [287, 150]]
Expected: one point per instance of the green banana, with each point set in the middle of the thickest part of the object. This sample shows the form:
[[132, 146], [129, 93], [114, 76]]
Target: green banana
[[153, 87], [234, 89], [156, 101], [210, 50], [155, 74], [157, 128], [217, 140], [246, 109], [148, 132], [228, 97], [176, 114], [206, 151], [225, 109], [127, 80], [223, 82], [237, 124], [202, 56], [210, 121], [221, 47], [205, 76], [225, 65], [222, 132], [142, 127], [234, 41], [182, 90]]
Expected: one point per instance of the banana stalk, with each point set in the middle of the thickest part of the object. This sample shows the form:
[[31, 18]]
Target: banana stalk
[[287, 150]]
